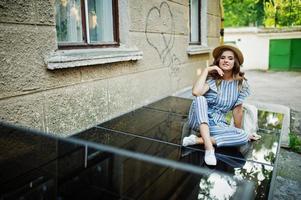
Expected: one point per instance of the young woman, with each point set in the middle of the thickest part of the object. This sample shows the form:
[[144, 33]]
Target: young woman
[[220, 88]]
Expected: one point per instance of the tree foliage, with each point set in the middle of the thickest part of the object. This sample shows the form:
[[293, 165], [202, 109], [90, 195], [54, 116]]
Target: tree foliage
[[267, 13], [282, 13]]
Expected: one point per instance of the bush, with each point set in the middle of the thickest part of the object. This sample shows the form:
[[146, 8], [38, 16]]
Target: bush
[[295, 142]]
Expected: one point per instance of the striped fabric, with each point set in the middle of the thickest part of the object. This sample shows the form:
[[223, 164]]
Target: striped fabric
[[212, 108]]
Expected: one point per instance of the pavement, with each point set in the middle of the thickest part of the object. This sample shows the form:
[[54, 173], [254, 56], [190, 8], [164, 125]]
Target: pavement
[[283, 88], [276, 87]]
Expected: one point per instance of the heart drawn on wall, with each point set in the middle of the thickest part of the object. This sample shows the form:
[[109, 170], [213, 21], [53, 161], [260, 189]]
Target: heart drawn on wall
[[160, 20]]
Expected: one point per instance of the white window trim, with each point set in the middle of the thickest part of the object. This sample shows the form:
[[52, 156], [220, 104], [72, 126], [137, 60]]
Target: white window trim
[[61, 59], [203, 48], [86, 57]]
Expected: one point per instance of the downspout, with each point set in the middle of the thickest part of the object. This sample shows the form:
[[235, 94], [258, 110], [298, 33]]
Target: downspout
[[222, 22]]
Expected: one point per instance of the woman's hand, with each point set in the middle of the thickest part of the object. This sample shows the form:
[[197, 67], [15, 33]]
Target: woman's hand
[[254, 136], [217, 69]]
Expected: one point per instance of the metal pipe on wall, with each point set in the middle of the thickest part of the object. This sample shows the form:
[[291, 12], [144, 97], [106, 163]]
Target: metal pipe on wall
[[222, 22]]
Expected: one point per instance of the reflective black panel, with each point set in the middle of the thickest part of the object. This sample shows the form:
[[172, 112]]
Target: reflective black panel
[[149, 123], [230, 160], [136, 156], [172, 104], [71, 169], [168, 127]]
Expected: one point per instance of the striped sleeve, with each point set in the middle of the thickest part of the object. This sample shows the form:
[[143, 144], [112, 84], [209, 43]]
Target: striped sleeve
[[243, 93]]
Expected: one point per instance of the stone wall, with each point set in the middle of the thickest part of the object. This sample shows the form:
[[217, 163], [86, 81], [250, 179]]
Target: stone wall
[[65, 101]]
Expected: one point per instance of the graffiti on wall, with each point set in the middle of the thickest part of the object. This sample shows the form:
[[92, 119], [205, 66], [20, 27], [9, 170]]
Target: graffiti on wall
[[160, 20]]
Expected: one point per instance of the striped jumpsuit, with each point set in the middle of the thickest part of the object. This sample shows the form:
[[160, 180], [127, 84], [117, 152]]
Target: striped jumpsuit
[[212, 108]]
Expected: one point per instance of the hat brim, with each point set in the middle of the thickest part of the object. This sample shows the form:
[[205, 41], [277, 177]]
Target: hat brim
[[217, 51]]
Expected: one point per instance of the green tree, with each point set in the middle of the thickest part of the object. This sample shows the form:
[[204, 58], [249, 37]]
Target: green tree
[[280, 13], [243, 12], [259, 7], [269, 13]]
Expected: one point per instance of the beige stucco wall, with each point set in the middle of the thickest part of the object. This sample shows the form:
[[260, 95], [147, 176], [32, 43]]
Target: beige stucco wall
[[65, 101]]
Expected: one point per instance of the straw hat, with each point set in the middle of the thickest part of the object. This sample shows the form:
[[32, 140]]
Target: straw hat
[[216, 52]]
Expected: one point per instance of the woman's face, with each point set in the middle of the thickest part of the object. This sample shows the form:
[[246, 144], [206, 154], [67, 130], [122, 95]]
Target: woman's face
[[226, 62]]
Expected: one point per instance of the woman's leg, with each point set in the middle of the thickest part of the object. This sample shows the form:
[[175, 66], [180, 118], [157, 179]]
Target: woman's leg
[[229, 136], [205, 137], [210, 158], [200, 140], [197, 115], [193, 139], [198, 120]]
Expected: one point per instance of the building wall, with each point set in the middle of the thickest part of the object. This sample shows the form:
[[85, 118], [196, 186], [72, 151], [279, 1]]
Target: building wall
[[254, 43], [65, 101]]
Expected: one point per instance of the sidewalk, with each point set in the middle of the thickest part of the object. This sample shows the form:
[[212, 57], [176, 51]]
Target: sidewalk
[[276, 87], [282, 88]]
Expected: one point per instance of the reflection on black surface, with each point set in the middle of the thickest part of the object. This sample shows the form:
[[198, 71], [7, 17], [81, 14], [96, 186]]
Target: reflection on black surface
[[217, 186], [265, 149], [31, 164], [75, 171], [270, 120], [175, 105], [148, 123], [34, 166], [260, 175]]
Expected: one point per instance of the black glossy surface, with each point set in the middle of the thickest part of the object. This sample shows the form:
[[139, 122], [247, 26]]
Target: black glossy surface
[[253, 161], [163, 122], [172, 104], [230, 160], [59, 169], [22, 151], [149, 123], [135, 156]]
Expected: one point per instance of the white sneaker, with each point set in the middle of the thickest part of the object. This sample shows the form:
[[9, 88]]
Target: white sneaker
[[210, 158], [190, 140]]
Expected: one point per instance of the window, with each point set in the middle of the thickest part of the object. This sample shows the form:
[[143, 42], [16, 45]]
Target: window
[[195, 21], [82, 24], [198, 27], [87, 23]]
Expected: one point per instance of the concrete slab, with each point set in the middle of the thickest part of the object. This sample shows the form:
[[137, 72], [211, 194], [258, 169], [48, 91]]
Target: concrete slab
[[276, 87]]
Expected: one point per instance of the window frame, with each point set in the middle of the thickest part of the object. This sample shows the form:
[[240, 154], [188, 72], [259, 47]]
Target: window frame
[[85, 44], [199, 42]]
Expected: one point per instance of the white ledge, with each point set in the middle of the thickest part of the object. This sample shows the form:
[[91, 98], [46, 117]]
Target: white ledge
[[197, 49], [85, 57]]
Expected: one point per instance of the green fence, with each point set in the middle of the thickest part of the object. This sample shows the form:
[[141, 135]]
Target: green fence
[[285, 54]]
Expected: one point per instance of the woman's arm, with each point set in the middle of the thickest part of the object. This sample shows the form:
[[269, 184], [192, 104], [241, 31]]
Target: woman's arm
[[237, 116], [200, 87]]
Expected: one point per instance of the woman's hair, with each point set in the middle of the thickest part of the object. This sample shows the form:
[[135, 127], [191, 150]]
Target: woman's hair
[[237, 74]]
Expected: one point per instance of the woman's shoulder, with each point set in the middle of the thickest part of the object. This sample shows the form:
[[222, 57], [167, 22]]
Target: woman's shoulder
[[245, 83], [245, 87]]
